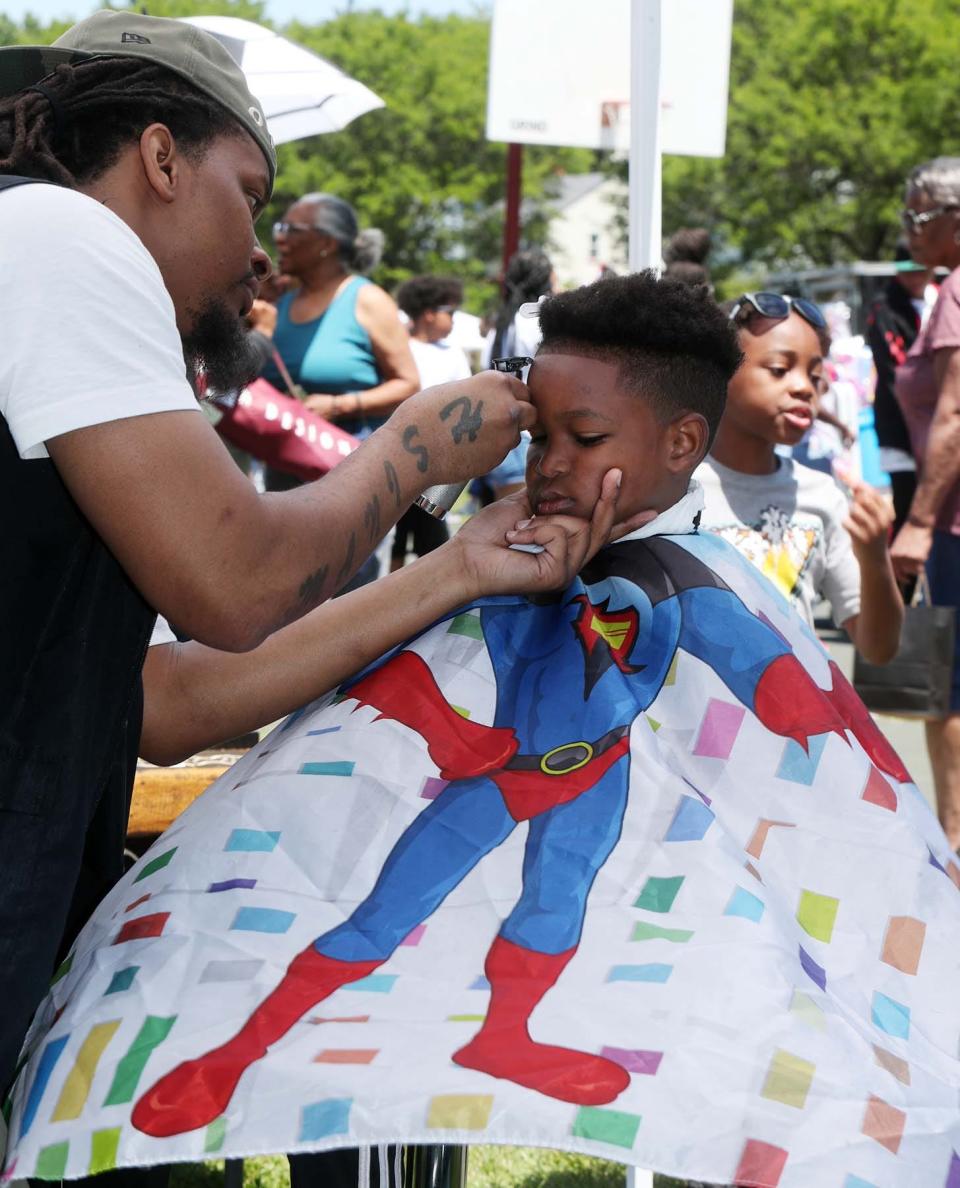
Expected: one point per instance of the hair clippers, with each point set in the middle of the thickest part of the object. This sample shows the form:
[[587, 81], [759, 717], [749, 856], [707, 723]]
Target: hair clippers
[[437, 501]]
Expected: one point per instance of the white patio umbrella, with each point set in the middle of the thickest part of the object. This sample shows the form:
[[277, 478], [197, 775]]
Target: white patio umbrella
[[301, 93]]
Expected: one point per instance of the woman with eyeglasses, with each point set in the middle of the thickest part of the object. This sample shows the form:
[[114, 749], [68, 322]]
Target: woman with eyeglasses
[[928, 391], [795, 523], [338, 334]]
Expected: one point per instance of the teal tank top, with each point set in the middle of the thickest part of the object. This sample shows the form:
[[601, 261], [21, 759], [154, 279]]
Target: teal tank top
[[331, 354]]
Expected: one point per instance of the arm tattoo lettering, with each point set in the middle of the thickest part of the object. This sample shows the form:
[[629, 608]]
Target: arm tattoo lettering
[[471, 419], [371, 518], [347, 567], [312, 587], [419, 452], [393, 482]]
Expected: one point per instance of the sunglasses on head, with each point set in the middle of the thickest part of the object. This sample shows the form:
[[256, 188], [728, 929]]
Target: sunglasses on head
[[777, 306]]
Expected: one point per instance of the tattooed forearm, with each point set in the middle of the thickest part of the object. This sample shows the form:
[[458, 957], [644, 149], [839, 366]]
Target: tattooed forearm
[[346, 569], [393, 482], [419, 452], [371, 518], [471, 419], [312, 588]]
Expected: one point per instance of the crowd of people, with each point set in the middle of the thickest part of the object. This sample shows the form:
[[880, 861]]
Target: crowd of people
[[135, 235]]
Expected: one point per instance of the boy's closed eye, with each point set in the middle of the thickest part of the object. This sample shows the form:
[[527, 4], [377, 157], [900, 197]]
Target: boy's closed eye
[[538, 437]]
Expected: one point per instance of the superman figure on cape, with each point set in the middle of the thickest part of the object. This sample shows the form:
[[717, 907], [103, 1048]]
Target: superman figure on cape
[[573, 673]]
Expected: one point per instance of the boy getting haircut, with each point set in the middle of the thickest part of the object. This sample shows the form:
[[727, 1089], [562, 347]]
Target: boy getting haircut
[[614, 708]]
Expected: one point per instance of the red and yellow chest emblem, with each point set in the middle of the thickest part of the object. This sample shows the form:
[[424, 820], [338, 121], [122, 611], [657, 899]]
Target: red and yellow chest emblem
[[607, 638]]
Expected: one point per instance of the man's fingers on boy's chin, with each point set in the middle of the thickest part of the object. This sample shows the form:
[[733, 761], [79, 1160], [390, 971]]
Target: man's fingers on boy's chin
[[610, 487], [519, 501], [546, 527]]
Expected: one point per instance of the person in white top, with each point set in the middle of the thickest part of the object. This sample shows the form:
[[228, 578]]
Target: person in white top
[[429, 303]]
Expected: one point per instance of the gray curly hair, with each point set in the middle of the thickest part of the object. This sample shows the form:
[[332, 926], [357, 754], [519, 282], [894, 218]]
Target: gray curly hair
[[359, 250], [939, 179]]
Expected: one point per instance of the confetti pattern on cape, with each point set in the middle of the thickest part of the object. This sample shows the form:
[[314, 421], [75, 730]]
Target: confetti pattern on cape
[[630, 873]]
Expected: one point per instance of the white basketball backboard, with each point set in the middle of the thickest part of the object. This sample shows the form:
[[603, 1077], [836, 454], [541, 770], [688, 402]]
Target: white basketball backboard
[[560, 74]]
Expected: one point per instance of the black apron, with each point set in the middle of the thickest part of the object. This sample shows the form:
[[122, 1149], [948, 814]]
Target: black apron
[[73, 635]]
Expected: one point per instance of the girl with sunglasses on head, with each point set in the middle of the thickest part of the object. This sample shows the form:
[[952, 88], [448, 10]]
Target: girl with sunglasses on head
[[795, 523]]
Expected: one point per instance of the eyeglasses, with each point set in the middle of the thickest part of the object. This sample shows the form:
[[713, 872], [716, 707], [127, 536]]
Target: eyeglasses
[[291, 228], [777, 306], [446, 309], [916, 220]]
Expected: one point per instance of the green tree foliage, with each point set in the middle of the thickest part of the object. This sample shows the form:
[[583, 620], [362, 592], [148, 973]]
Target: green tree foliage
[[420, 169], [831, 104]]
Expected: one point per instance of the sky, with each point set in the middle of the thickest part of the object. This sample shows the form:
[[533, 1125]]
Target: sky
[[278, 10]]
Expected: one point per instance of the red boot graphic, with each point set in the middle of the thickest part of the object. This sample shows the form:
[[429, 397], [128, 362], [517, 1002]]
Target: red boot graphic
[[519, 978], [198, 1091]]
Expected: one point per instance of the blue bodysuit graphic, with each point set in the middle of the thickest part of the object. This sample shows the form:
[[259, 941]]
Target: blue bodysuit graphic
[[564, 673]]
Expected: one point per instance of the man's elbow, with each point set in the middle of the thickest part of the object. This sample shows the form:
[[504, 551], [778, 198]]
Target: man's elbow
[[223, 622], [161, 752]]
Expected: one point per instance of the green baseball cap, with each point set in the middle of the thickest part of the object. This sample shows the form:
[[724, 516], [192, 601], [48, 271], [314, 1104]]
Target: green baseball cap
[[185, 49]]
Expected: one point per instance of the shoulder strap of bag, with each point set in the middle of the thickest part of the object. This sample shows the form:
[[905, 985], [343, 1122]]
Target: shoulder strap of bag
[[285, 374]]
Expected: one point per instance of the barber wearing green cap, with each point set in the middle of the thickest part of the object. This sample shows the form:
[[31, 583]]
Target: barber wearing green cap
[[118, 498]]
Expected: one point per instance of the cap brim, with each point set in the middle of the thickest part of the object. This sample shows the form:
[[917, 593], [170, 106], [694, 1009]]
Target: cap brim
[[23, 65], [908, 266]]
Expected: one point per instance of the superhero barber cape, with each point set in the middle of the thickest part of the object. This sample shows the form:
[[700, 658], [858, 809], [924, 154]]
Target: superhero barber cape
[[629, 871]]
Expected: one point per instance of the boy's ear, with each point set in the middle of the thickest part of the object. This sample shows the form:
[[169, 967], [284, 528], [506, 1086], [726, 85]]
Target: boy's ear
[[687, 439]]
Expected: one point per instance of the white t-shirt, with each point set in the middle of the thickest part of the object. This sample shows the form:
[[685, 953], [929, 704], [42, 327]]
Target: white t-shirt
[[439, 362], [89, 330], [790, 525]]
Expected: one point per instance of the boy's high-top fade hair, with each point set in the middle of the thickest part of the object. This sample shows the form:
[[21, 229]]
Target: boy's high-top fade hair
[[672, 343]]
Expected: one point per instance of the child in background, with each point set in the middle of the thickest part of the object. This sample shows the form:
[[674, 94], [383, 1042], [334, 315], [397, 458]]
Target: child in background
[[792, 522], [430, 303]]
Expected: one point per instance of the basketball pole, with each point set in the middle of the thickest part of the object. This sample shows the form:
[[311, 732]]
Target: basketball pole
[[511, 226], [645, 211]]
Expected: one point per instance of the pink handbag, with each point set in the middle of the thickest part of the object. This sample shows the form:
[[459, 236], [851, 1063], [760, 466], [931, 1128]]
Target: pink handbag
[[278, 430]]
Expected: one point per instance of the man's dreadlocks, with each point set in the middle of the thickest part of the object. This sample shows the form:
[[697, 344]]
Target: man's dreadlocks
[[71, 128]]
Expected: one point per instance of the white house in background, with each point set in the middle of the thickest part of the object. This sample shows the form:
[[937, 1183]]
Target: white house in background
[[583, 236]]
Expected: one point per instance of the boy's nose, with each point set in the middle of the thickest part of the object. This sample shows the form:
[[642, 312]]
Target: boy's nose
[[551, 464]]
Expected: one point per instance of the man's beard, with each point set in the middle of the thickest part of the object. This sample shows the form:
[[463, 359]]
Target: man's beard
[[219, 355]]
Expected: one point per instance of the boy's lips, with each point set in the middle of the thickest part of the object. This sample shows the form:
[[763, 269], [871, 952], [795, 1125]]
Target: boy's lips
[[552, 503]]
